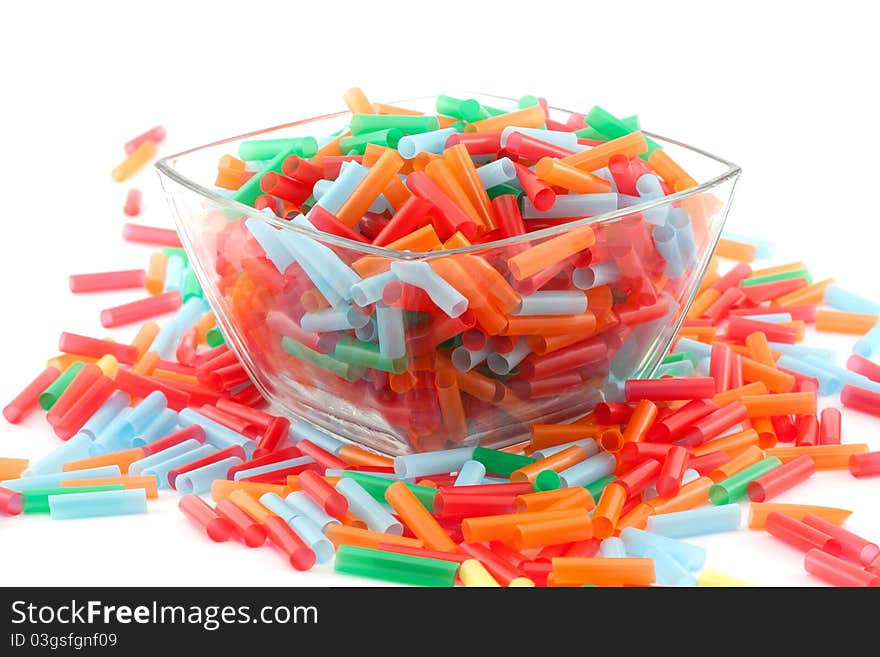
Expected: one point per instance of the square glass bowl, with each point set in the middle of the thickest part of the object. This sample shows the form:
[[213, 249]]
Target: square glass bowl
[[452, 352]]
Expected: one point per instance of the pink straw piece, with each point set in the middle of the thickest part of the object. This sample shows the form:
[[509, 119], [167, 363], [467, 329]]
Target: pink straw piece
[[150, 235], [132, 207], [837, 571], [108, 280], [140, 310], [156, 134]]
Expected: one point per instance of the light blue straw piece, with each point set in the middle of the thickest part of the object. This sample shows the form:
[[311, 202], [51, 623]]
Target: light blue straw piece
[[588, 471], [312, 536], [160, 470], [680, 221], [430, 463], [144, 413], [115, 436], [588, 444], [272, 467], [869, 344], [276, 504], [567, 140], [379, 205], [612, 547], [771, 317], [303, 505], [174, 267], [648, 188], [464, 360], [639, 542], [502, 364], [105, 414], [218, 435], [256, 165], [301, 430], [627, 201], [321, 258], [667, 246], [801, 351], [389, 322], [54, 479], [842, 299], [365, 507], [268, 238], [847, 377], [601, 273], [164, 424], [199, 481], [696, 522], [99, 503], [573, 205], [369, 332], [681, 368], [425, 142], [703, 366], [72, 450], [166, 341], [829, 384], [498, 172], [369, 290], [471, 474], [552, 302], [350, 174], [699, 349], [184, 447], [420, 274], [667, 570], [764, 249], [311, 268], [341, 318], [495, 480]]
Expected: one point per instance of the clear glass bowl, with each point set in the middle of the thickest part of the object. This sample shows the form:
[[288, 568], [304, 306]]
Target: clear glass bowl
[[421, 401]]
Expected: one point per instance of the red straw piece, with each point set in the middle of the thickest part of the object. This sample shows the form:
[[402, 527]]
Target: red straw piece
[[715, 423], [863, 366], [670, 388], [329, 223], [860, 399], [865, 465], [274, 457], [670, 427], [10, 502], [467, 506], [854, 547], [82, 345], [200, 512], [733, 277], [282, 536], [141, 386], [216, 457], [108, 280], [273, 435], [322, 457], [155, 134], [781, 479], [81, 383], [837, 571], [672, 471], [613, 412], [192, 432], [768, 291], [150, 235], [540, 194], [16, 410], [248, 530], [84, 407], [800, 535], [323, 494], [708, 462], [138, 311], [132, 207]]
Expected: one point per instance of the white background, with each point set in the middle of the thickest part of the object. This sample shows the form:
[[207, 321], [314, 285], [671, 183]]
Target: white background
[[786, 90]]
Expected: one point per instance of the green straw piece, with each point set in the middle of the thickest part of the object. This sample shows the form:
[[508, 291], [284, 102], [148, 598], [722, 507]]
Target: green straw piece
[[347, 371], [214, 338], [501, 190], [376, 487], [500, 463], [458, 108], [393, 567], [605, 122], [680, 357], [191, 287], [51, 394], [176, 251], [591, 133], [784, 276], [36, 500], [596, 487], [268, 149], [527, 101], [366, 354], [547, 480], [357, 144], [733, 488], [407, 124], [249, 192]]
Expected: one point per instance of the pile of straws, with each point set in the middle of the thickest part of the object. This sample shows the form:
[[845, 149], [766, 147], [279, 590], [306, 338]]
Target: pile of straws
[[602, 501]]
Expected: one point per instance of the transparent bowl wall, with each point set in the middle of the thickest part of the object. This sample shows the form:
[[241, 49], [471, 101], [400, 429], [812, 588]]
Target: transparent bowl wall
[[396, 406]]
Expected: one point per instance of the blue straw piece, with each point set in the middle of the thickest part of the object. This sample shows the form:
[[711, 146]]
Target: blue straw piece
[[267, 238], [425, 142], [588, 471], [842, 299], [552, 302], [105, 414], [365, 507], [169, 335], [115, 436], [588, 444], [680, 221], [496, 173], [54, 479], [162, 425], [217, 435], [174, 273], [495, 480], [829, 384], [649, 189], [144, 413], [160, 469], [369, 290], [772, 317], [801, 351], [600, 273], [429, 463], [272, 467], [312, 536], [471, 474], [464, 359], [696, 522], [639, 543], [420, 274], [276, 504], [764, 249], [350, 174], [340, 318], [320, 258], [869, 344], [502, 364], [199, 481], [667, 246], [72, 450], [99, 503], [303, 505], [302, 430], [699, 349], [389, 321], [846, 376], [573, 205], [668, 571], [185, 447], [612, 547]]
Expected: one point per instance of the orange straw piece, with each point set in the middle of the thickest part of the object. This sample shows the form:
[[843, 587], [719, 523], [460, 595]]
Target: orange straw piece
[[583, 324], [608, 510], [440, 172], [747, 457], [701, 304], [550, 435], [367, 538], [732, 395], [122, 458], [777, 269], [12, 468], [599, 571], [138, 158], [732, 444], [369, 188], [541, 500], [462, 167], [578, 498], [758, 512], [766, 432], [835, 321], [357, 101], [221, 489], [789, 403], [417, 518], [734, 250], [382, 108], [560, 174], [693, 494], [637, 517], [457, 241], [642, 418], [156, 273], [147, 482], [247, 503], [421, 240], [806, 295], [357, 456], [759, 348], [502, 527], [451, 406], [665, 167], [530, 117], [146, 364], [351, 520], [826, 457], [329, 149], [775, 380], [553, 531], [557, 462], [597, 157]]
